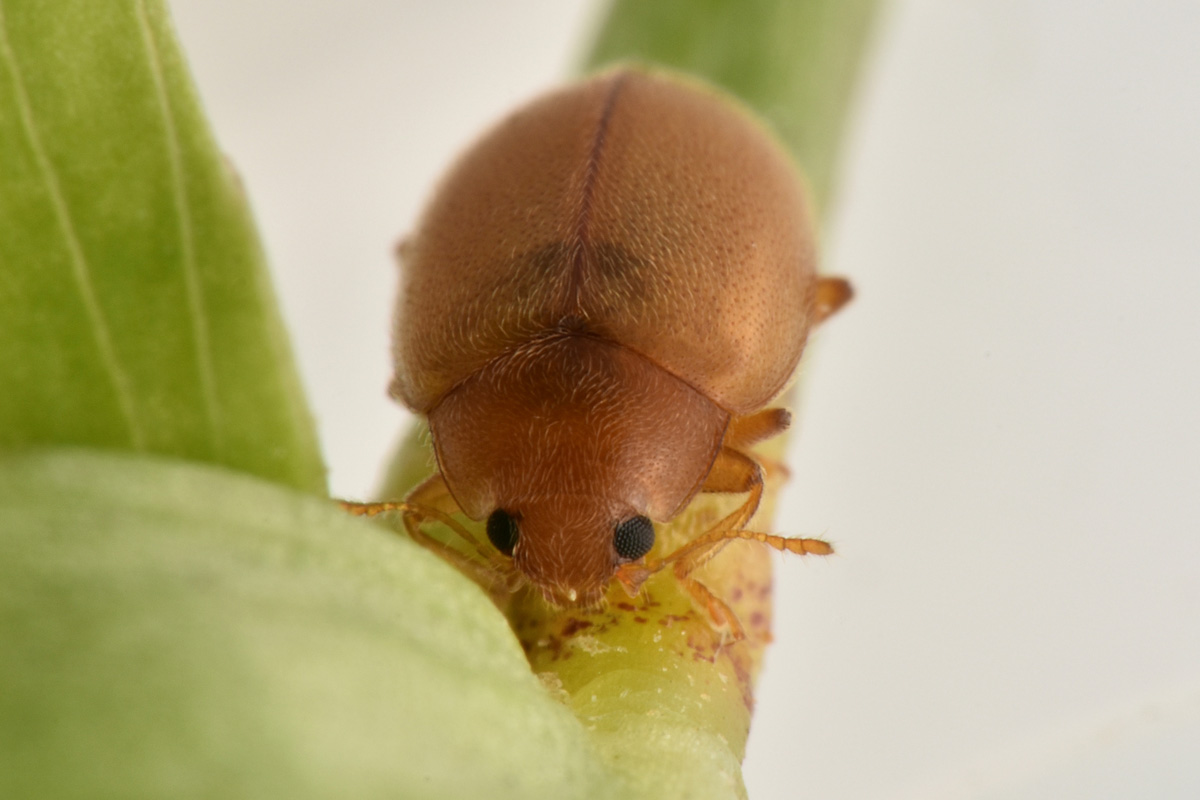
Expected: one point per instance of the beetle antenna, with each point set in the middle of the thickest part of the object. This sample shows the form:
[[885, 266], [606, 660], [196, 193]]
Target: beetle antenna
[[419, 513], [700, 550], [497, 576]]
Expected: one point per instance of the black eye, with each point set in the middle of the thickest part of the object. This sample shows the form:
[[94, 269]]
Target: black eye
[[502, 531], [634, 538]]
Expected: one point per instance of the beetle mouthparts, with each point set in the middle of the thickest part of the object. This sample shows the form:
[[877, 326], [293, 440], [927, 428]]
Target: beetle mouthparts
[[631, 576], [573, 596]]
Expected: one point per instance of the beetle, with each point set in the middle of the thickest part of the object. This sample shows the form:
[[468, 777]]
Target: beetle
[[596, 309]]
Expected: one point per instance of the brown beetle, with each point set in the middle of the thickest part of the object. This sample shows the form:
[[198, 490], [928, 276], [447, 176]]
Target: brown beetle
[[601, 299]]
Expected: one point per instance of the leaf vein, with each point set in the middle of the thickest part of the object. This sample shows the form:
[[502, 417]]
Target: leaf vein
[[186, 230], [80, 268]]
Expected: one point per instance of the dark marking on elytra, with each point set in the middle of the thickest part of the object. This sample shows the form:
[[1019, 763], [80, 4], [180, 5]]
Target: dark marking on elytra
[[575, 266]]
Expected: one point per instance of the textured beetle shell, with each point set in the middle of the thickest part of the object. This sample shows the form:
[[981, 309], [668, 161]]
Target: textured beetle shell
[[648, 211], [596, 289]]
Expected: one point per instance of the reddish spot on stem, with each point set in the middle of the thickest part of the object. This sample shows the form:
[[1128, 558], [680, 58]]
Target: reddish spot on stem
[[574, 626]]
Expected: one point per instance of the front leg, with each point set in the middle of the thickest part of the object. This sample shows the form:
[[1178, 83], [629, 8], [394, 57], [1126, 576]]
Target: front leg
[[431, 501], [746, 431], [732, 471]]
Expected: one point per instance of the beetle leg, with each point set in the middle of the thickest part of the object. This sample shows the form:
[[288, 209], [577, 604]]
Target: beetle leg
[[719, 612], [753, 428], [735, 472], [732, 471], [699, 551], [431, 501], [433, 493], [832, 294]]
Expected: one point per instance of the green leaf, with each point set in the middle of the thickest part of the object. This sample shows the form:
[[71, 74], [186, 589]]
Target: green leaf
[[135, 307], [175, 630], [792, 61]]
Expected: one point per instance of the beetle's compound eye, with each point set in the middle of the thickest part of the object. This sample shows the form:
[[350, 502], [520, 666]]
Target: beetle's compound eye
[[634, 538], [502, 531]]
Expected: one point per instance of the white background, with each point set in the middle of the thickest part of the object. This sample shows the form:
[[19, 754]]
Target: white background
[[1001, 434]]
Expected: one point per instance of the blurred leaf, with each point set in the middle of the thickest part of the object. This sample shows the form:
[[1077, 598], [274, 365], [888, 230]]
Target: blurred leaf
[[135, 306], [175, 630]]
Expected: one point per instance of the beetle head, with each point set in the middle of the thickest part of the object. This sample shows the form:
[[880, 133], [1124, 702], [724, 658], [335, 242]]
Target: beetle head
[[569, 546], [568, 446]]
